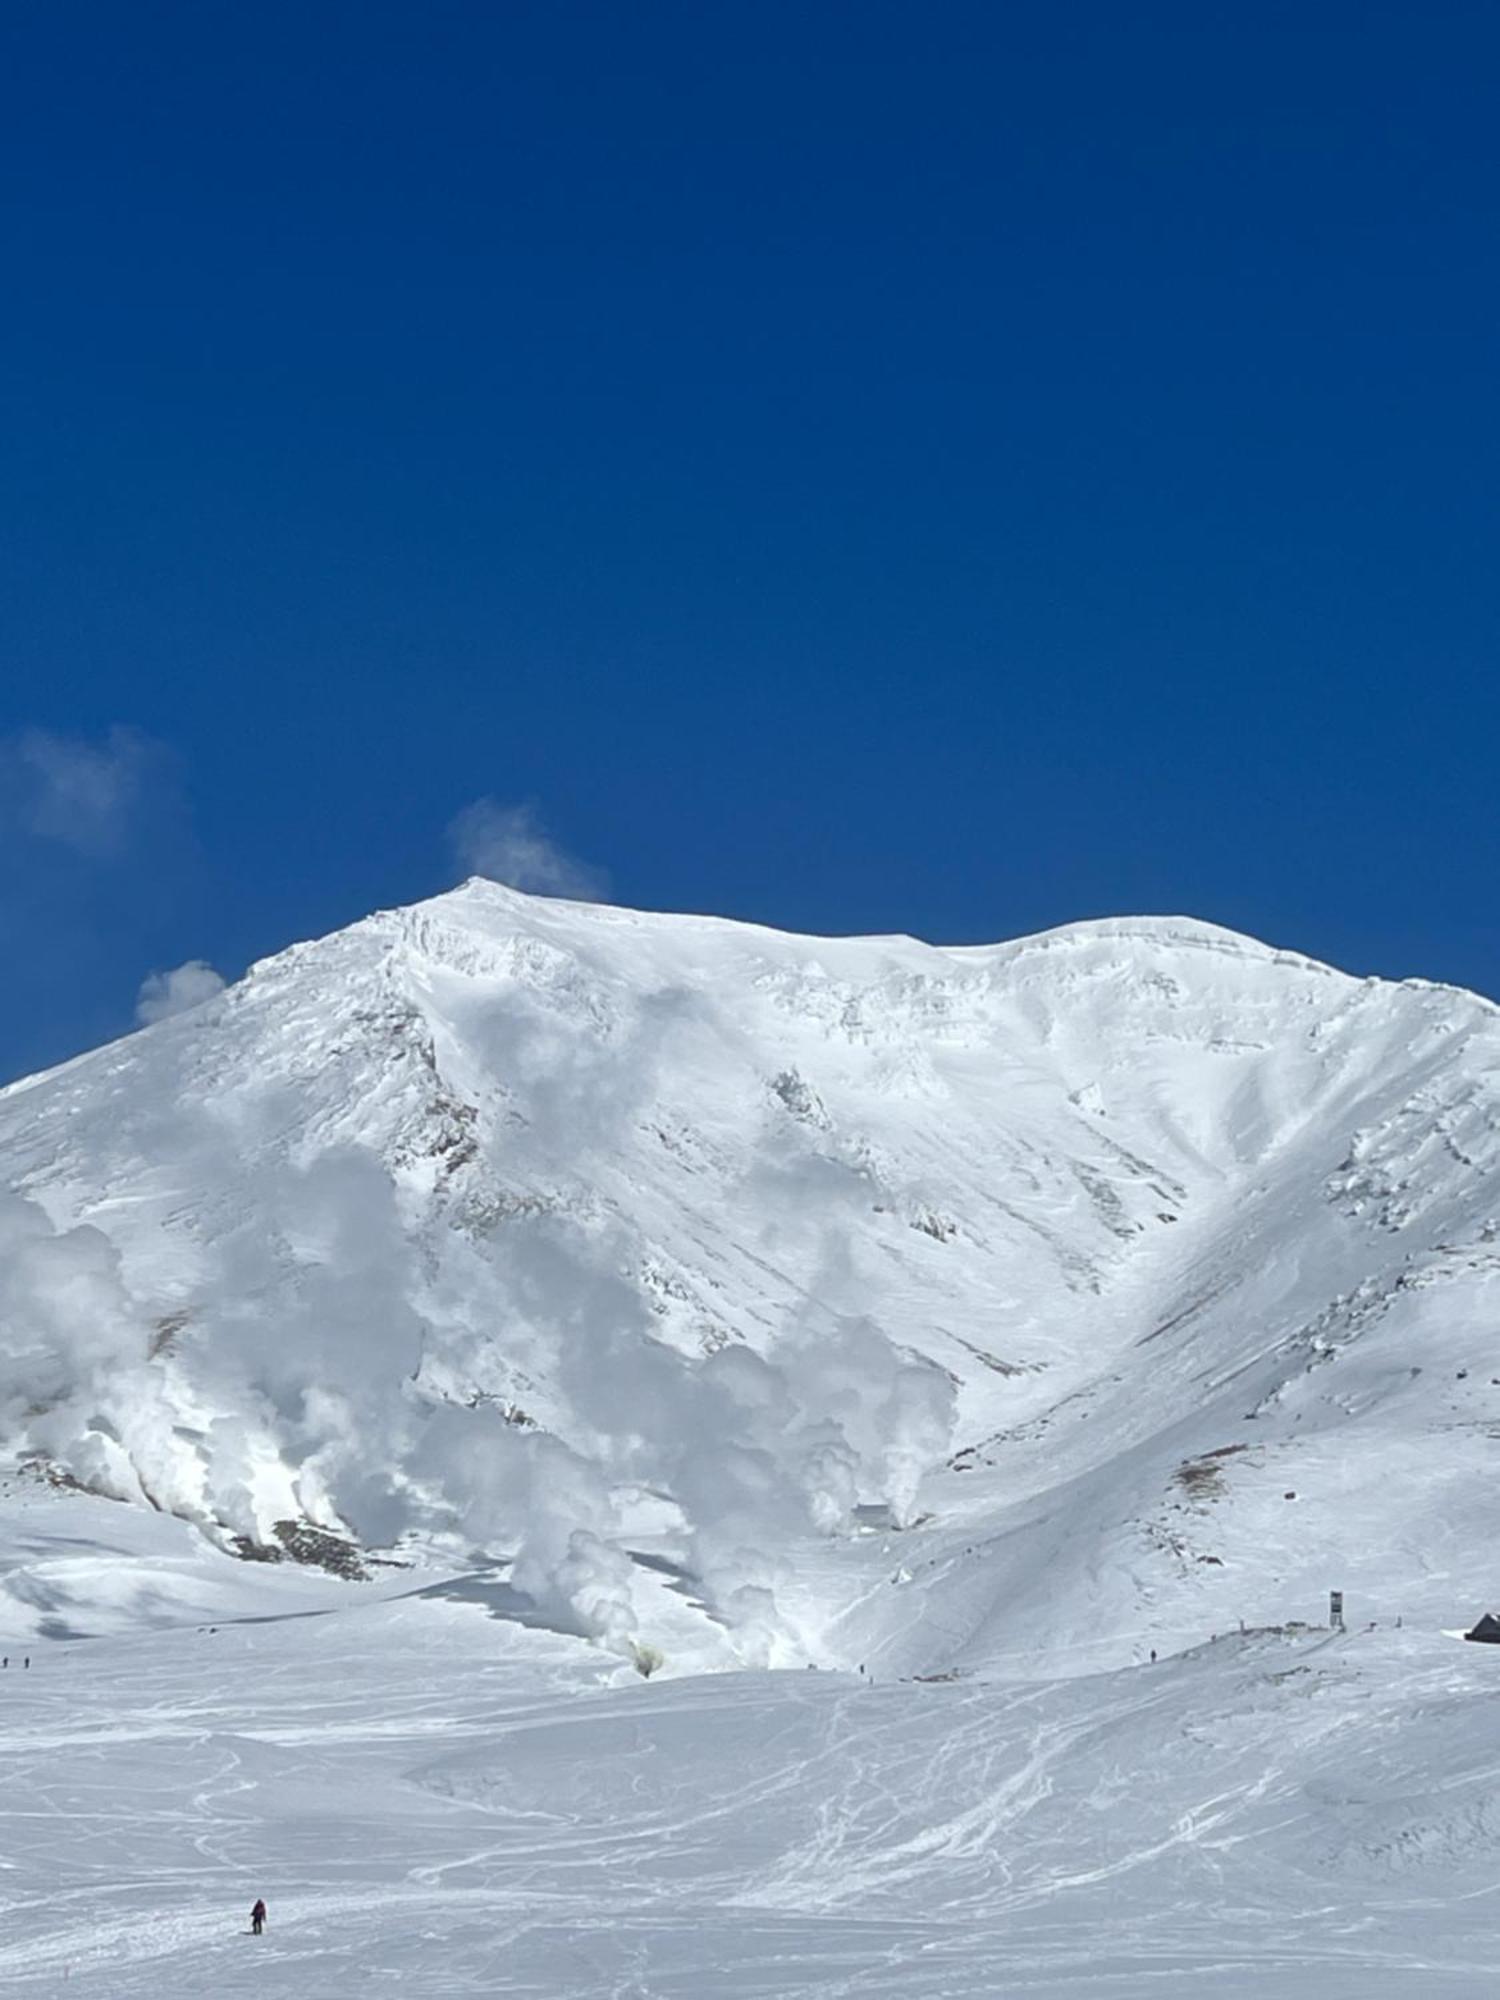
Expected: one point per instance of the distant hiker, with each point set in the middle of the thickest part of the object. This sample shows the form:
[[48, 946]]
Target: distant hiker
[[258, 1915], [1153, 1656]]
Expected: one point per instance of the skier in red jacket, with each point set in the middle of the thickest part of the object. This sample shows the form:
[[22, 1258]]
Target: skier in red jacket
[[258, 1916]]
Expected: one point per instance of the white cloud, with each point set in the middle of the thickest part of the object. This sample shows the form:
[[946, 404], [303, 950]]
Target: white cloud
[[164, 994], [87, 796], [509, 844]]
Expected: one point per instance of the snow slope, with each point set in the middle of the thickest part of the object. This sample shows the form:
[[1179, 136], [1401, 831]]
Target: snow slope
[[575, 1235], [436, 1800]]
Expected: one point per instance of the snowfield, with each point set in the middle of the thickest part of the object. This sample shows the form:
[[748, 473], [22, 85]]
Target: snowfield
[[432, 1795], [947, 1330]]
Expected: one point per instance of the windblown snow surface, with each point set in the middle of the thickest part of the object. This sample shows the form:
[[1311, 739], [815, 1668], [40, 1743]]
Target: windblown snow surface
[[891, 1347]]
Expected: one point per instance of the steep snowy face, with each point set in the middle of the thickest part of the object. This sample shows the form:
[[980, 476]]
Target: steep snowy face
[[568, 1231]]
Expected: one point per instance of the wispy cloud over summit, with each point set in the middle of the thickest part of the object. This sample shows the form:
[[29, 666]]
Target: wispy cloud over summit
[[509, 844]]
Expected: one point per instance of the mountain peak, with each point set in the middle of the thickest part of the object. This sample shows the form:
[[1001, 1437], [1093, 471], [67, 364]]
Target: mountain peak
[[504, 1220]]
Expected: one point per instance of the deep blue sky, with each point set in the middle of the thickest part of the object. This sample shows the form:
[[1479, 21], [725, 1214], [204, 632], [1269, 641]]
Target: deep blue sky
[[948, 468]]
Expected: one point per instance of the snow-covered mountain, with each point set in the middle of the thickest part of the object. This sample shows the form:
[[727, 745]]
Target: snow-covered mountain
[[977, 1322], [776, 1297]]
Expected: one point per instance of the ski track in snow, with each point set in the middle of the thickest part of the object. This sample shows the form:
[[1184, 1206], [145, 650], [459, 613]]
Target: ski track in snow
[[427, 1795]]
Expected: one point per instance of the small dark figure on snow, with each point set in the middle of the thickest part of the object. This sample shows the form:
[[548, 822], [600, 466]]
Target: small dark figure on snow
[[258, 1916]]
